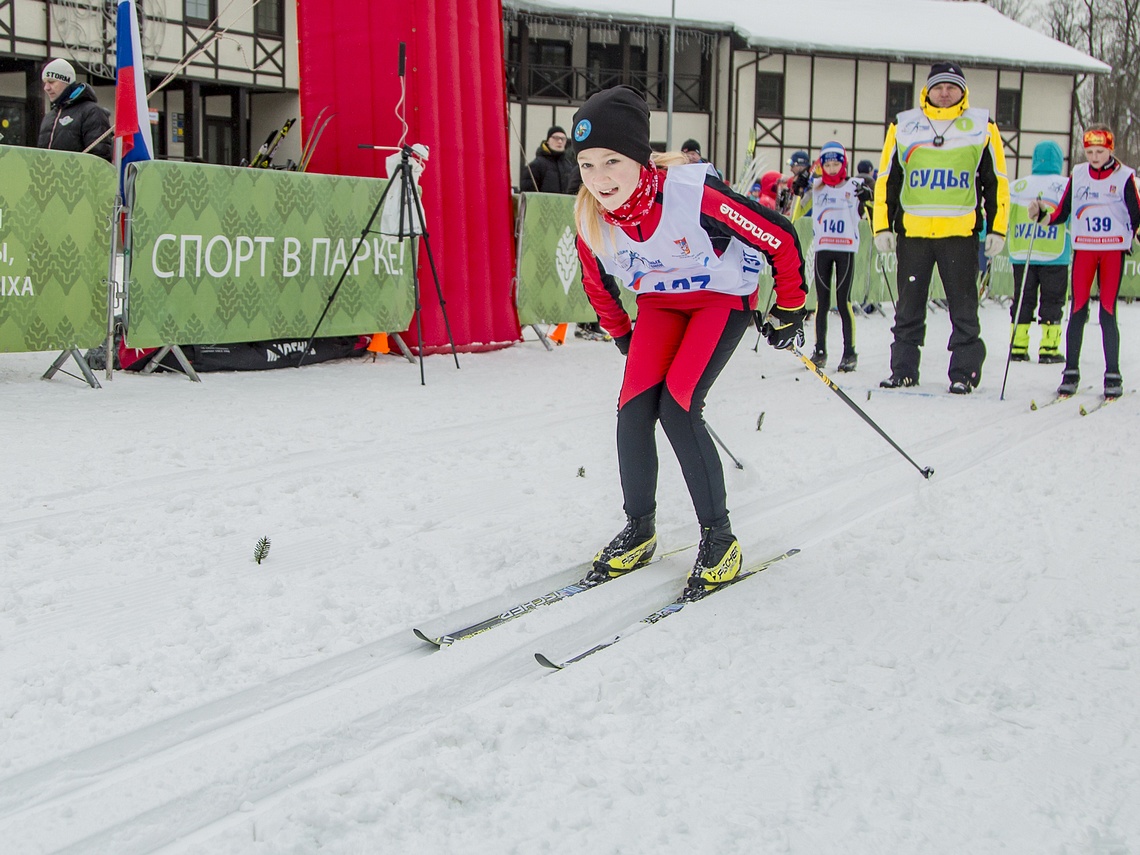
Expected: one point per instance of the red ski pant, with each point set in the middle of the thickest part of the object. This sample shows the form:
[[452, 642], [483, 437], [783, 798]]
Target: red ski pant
[[679, 348], [1106, 268]]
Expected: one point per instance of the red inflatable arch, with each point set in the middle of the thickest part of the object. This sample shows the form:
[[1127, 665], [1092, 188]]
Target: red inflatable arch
[[456, 105]]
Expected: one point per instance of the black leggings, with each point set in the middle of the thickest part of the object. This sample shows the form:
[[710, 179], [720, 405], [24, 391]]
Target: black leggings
[[842, 264], [674, 358]]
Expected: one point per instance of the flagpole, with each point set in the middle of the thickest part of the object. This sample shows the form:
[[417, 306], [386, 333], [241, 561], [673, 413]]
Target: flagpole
[[112, 266]]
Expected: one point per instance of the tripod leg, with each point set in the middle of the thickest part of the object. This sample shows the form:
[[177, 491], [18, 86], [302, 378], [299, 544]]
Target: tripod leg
[[434, 275]]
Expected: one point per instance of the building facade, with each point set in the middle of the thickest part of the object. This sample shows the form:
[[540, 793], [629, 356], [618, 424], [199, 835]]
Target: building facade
[[754, 86], [742, 86], [239, 80]]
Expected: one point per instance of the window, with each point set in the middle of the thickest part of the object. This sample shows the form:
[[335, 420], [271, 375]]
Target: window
[[219, 141], [200, 11], [268, 18], [769, 94], [604, 65], [900, 96], [1008, 114], [13, 123], [550, 73]]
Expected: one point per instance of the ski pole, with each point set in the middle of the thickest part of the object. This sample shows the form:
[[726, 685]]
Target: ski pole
[[926, 471], [1017, 311], [720, 442]]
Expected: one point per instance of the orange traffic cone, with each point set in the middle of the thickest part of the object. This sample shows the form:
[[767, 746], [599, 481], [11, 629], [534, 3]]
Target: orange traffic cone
[[558, 334], [379, 343]]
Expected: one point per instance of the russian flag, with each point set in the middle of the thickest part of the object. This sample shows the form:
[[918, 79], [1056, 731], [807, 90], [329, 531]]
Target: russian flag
[[132, 116]]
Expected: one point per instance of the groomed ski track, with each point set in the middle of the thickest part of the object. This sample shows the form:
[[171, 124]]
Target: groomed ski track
[[178, 782]]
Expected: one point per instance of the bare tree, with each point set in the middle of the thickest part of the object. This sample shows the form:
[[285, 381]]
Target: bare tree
[[1108, 30]]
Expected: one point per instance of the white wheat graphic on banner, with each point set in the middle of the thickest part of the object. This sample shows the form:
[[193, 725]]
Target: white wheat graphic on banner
[[566, 259]]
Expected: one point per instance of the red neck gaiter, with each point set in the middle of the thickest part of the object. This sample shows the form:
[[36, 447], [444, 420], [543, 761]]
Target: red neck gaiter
[[836, 179], [634, 209]]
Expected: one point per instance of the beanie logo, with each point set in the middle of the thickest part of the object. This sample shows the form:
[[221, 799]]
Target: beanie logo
[[582, 130], [53, 75]]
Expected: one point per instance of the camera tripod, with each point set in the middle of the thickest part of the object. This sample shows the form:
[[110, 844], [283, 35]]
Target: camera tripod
[[410, 205]]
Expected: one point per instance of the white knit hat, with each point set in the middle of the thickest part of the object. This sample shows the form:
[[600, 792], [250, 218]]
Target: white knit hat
[[59, 69]]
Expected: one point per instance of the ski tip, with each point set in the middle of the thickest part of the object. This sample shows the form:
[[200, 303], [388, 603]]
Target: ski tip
[[546, 663], [423, 637]]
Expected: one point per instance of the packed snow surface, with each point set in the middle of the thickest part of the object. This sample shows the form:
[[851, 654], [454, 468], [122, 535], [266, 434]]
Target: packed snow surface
[[948, 666]]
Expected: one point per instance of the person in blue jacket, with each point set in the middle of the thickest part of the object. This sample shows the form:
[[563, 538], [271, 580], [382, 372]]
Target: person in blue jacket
[[1042, 265]]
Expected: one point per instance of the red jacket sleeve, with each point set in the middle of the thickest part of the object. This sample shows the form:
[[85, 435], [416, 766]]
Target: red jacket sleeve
[[764, 230], [603, 292]]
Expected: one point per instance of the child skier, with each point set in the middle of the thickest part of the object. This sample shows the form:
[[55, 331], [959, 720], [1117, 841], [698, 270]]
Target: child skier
[[1046, 271], [690, 248], [1103, 226], [837, 202]]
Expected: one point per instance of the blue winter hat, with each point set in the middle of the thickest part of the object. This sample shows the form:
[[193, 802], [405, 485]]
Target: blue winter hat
[[1047, 158], [799, 158], [832, 151]]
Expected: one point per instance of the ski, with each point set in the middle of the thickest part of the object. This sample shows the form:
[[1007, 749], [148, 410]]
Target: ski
[[1088, 411], [264, 157], [662, 613], [316, 138], [1033, 405], [520, 609], [309, 138]]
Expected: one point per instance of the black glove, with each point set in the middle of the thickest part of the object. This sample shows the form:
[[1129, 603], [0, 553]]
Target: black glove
[[784, 328], [622, 342]]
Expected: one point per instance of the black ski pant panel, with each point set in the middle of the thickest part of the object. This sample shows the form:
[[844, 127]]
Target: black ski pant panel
[[1045, 284], [687, 433], [1109, 336], [957, 262], [842, 265]]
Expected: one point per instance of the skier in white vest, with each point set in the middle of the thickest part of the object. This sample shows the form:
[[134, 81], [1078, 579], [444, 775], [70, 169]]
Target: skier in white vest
[[837, 209], [1105, 218]]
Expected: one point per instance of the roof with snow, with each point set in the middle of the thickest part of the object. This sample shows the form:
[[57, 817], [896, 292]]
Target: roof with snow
[[905, 30]]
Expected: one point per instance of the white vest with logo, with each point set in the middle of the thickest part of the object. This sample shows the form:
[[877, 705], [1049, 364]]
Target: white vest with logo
[[835, 217], [1100, 220], [679, 256]]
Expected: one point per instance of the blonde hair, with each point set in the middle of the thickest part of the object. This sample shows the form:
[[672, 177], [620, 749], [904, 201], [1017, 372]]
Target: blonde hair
[[588, 210]]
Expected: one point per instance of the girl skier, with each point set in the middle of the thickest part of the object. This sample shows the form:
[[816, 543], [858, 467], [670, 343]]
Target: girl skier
[[690, 248], [1103, 226], [837, 206]]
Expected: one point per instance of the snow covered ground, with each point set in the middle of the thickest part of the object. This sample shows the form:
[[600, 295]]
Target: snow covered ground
[[948, 666]]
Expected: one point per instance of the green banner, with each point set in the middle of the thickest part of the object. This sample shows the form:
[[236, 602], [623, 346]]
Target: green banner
[[549, 287], [224, 254], [55, 220]]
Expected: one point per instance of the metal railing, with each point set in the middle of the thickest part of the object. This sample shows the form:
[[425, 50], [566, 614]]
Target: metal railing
[[574, 85]]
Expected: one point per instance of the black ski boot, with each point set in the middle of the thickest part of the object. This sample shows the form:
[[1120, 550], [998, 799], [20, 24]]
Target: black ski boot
[[897, 380], [1113, 385], [819, 357], [718, 561], [1070, 380], [632, 548], [848, 362]]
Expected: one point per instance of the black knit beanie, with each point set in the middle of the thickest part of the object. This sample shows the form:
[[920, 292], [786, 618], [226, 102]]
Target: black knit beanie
[[946, 72], [617, 119]]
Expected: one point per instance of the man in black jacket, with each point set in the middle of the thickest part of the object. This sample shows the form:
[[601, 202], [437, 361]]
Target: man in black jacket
[[75, 119], [554, 170]]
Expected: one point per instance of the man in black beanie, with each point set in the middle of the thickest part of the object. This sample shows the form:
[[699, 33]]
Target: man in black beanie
[[553, 169], [931, 205]]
